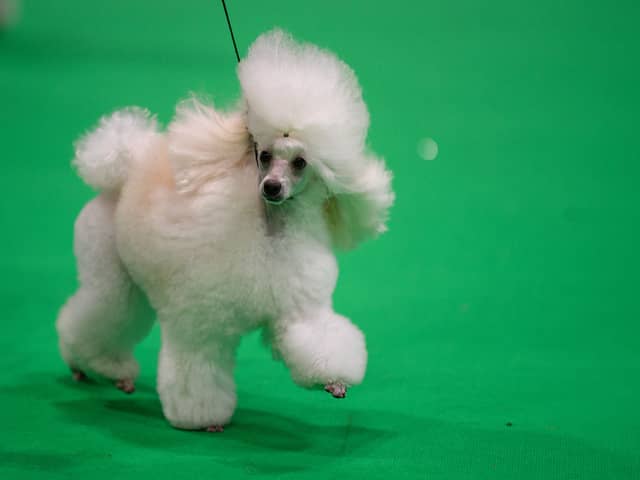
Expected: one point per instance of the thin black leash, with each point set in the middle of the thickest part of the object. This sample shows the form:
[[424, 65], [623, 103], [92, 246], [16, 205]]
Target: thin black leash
[[233, 38], [235, 48]]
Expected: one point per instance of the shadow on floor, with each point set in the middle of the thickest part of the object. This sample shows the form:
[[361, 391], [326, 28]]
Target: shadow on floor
[[277, 436]]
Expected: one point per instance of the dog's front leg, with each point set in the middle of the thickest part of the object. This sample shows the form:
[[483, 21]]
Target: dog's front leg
[[321, 348], [195, 381]]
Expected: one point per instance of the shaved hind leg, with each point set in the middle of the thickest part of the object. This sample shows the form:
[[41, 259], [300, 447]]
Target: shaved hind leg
[[102, 322]]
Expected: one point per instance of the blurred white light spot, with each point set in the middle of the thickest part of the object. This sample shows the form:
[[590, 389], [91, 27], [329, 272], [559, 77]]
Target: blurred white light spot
[[428, 149]]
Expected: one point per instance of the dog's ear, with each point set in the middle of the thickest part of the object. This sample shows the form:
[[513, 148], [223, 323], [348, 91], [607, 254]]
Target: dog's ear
[[360, 208]]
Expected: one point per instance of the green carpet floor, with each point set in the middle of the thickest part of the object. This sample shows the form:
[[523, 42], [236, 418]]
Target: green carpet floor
[[502, 309]]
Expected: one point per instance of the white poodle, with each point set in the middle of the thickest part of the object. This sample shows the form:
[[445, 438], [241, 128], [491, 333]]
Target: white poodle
[[226, 223]]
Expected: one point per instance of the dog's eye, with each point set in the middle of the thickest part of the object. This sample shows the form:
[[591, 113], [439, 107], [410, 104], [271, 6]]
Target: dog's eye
[[299, 163], [265, 158]]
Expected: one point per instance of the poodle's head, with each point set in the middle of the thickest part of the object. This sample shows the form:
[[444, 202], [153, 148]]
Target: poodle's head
[[283, 169], [309, 122]]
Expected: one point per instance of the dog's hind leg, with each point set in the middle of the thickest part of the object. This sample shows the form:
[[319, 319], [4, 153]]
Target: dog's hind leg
[[102, 322]]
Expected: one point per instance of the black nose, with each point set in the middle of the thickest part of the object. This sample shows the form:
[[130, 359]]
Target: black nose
[[271, 188]]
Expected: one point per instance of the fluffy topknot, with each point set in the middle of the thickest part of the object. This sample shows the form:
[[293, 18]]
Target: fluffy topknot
[[307, 92]]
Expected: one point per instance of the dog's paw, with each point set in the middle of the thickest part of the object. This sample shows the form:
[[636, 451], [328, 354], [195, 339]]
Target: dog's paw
[[126, 385], [215, 429], [78, 375], [338, 390]]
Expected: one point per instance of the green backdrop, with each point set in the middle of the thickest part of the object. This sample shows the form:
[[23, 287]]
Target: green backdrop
[[501, 309]]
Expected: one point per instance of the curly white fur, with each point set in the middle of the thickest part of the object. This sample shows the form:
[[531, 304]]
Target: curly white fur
[[181, 221]]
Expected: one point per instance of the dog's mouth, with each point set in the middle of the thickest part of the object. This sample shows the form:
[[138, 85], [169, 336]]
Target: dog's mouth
[[277, 200]]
